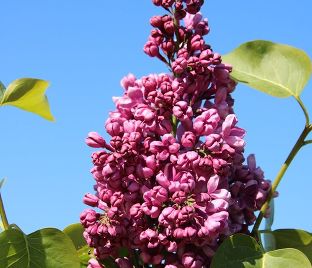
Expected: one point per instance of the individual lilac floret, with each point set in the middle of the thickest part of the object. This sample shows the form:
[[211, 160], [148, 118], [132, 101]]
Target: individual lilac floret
[[95, 140], [93, 263], [171, 183]]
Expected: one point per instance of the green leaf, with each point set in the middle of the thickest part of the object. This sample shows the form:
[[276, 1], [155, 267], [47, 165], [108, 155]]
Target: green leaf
[[28, 94], [292, 238], [45, 248], [276, 69], [237, 251], [85, 254], [75, 233], [242, 251], [285, 258]]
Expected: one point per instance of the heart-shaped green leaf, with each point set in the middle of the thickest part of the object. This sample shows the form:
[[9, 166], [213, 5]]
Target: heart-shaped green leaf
[[75, 233], [276, 69], [285, 258], [28, 94], [293, 238], [242, 251], [237, 251], [45, 248]]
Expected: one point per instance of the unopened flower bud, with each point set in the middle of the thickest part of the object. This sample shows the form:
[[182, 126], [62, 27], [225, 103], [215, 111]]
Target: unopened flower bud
[[90, 200], [156, 21], [188, 139], [157, 2], [179, 65], [95, 140], [169, 27], [151, 49]]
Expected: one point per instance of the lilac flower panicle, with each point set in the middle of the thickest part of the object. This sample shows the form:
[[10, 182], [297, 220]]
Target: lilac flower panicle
[[171, 182]]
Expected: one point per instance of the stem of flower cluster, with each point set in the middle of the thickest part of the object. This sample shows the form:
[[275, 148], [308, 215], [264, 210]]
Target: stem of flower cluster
[[136, 259], [174, 125], [3, 215], [176, 26], [300, 142]]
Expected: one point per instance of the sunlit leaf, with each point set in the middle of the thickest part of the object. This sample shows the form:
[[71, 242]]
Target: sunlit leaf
[[28, 94], [84, 254], [285, 258], [294, 238], [45, 248], [242, 251], [276, 69], [75, 233]]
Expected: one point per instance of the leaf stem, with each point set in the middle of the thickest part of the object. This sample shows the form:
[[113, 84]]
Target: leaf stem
[[307, 142], [300, 142], [176, 30], [304, 109], [3, 215]]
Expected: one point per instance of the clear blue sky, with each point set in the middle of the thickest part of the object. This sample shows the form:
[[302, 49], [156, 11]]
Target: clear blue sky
[[84, 48]]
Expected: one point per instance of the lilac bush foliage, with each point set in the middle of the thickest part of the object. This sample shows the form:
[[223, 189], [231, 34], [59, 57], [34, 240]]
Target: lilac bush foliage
[[171, 184]]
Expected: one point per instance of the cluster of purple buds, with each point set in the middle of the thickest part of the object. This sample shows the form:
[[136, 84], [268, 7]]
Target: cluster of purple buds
[[171, 184]]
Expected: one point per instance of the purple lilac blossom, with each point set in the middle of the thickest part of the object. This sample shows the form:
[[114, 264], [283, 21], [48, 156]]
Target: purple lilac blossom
[[171, 184]]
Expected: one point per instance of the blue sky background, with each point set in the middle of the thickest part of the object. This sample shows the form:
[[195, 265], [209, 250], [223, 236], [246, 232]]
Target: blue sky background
[[84, 48]]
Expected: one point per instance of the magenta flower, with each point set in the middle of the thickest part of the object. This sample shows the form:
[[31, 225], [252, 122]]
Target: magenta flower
[[171, 183], [163, 149], [188, 139], [192, 20], [190, 260], [91, 200], [124, 262], [151, 49], [93, 263], [207, 122], [95, 140], [179, 65]]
